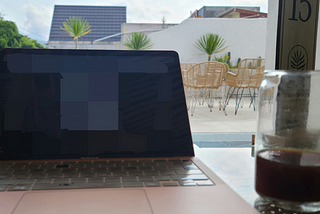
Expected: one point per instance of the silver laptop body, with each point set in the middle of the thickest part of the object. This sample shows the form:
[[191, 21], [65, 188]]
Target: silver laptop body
[[88, 131]]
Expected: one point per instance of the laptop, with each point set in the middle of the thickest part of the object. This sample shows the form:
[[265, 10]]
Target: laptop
[[92, 131]]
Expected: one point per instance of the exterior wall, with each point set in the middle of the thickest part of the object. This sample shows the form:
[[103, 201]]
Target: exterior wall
[[86, 45], [244, 37], [131, 27]]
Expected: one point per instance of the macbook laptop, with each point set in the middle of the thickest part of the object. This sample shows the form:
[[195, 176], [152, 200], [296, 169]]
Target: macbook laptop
[[89, 131]]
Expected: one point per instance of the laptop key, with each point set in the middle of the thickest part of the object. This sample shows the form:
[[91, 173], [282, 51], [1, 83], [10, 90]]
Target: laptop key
[[112, 169], [177, 167], [187, 184], [95, 180], [71, 174], [26, 181], [145, 178], [79, 180], [135, 173], [36, 171], [129, 179], [103, 174], [9, 181], [167, 184], [59, 166], [205, 183], [161, 168], [162, 178], [38, 176], [107, 179], [19, 187], [3, 177], [151, 173], [61, 180], [189, 172], [44, 181], [189, 177], [132, 184], [25, 176], [152, 184], [88, 174], [167, 172], [120, 174], [129, 168], [102, 169]]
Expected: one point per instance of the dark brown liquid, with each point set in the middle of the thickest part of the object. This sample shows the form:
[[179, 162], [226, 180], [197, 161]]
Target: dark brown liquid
[[290, 175]]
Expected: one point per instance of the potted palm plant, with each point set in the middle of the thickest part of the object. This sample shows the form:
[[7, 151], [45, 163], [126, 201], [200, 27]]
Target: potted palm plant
[[76, 27], [210, 44], [138, 41]]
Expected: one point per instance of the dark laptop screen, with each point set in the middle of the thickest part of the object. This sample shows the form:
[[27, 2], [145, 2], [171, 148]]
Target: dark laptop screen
[[92, 104]]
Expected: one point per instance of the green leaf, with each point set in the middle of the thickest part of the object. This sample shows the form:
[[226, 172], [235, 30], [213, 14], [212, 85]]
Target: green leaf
[[76, 27], [138, 41], [210, 44]]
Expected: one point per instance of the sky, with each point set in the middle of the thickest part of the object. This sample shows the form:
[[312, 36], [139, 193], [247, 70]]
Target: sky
[[33, 17]]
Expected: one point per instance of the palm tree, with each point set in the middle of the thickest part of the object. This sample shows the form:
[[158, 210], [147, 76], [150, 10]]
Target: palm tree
[[138, 41], [76, 27], [210, 44]]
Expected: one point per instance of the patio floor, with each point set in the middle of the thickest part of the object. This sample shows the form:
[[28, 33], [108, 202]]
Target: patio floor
[[214, 129], [205, 121]]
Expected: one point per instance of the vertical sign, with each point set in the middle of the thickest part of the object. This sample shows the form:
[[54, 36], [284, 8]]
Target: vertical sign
[[296, 50], [297, 34]]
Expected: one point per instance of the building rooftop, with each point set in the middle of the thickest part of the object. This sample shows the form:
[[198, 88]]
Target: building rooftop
[[104, 21], [241, 13]]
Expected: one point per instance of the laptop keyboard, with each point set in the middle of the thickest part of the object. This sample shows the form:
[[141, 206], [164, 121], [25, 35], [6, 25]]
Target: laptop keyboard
[[100, 174]]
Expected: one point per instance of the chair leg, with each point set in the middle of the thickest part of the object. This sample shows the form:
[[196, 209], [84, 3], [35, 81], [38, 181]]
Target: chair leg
[[194, 101], [251, 98], [220, 103], [209, 99], [202, 96], [238, 100], [254, 98], [228, 97]]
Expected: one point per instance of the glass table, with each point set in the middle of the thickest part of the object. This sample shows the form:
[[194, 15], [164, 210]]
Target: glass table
[[235, 166]]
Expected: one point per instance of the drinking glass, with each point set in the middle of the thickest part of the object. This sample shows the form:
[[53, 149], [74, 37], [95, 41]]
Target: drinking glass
[[288, 140]]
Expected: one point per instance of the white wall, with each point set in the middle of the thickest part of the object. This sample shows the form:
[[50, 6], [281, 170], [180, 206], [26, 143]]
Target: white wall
[[245, 37]]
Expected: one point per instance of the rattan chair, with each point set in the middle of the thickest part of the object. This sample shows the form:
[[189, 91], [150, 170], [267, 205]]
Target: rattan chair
[[204, 81], [249, 76], [184, 68], [186, 65]]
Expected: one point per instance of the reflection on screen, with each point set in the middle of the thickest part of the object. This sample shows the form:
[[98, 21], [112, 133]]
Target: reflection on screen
[[73, 106]]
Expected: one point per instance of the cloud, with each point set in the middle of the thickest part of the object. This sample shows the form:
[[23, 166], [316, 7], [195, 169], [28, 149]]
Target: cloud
[[146, 11], [38, 21]]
